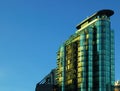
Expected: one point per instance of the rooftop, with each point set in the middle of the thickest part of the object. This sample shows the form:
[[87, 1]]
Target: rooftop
[[106, 12]]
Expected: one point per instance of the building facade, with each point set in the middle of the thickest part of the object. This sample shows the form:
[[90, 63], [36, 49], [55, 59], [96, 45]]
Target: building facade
[[85, 62]]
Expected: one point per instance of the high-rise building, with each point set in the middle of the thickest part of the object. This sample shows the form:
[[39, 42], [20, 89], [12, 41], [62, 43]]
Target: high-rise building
[[85, 62]]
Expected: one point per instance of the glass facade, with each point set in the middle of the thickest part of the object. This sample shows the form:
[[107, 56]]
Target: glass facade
[[85, 62]]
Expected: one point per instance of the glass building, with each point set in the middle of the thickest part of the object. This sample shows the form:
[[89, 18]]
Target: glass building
[[85, 62]]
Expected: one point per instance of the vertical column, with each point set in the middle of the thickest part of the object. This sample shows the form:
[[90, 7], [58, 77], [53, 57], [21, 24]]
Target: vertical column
[[90, 59], [82, 61], [107, 33], [112, 60], [62, 58], [106, 54], [99, 53]]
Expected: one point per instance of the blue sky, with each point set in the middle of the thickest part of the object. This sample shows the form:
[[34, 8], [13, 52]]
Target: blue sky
[[31, 32]]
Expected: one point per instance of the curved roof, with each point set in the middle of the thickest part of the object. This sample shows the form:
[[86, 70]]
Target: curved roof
[[107, 12]]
